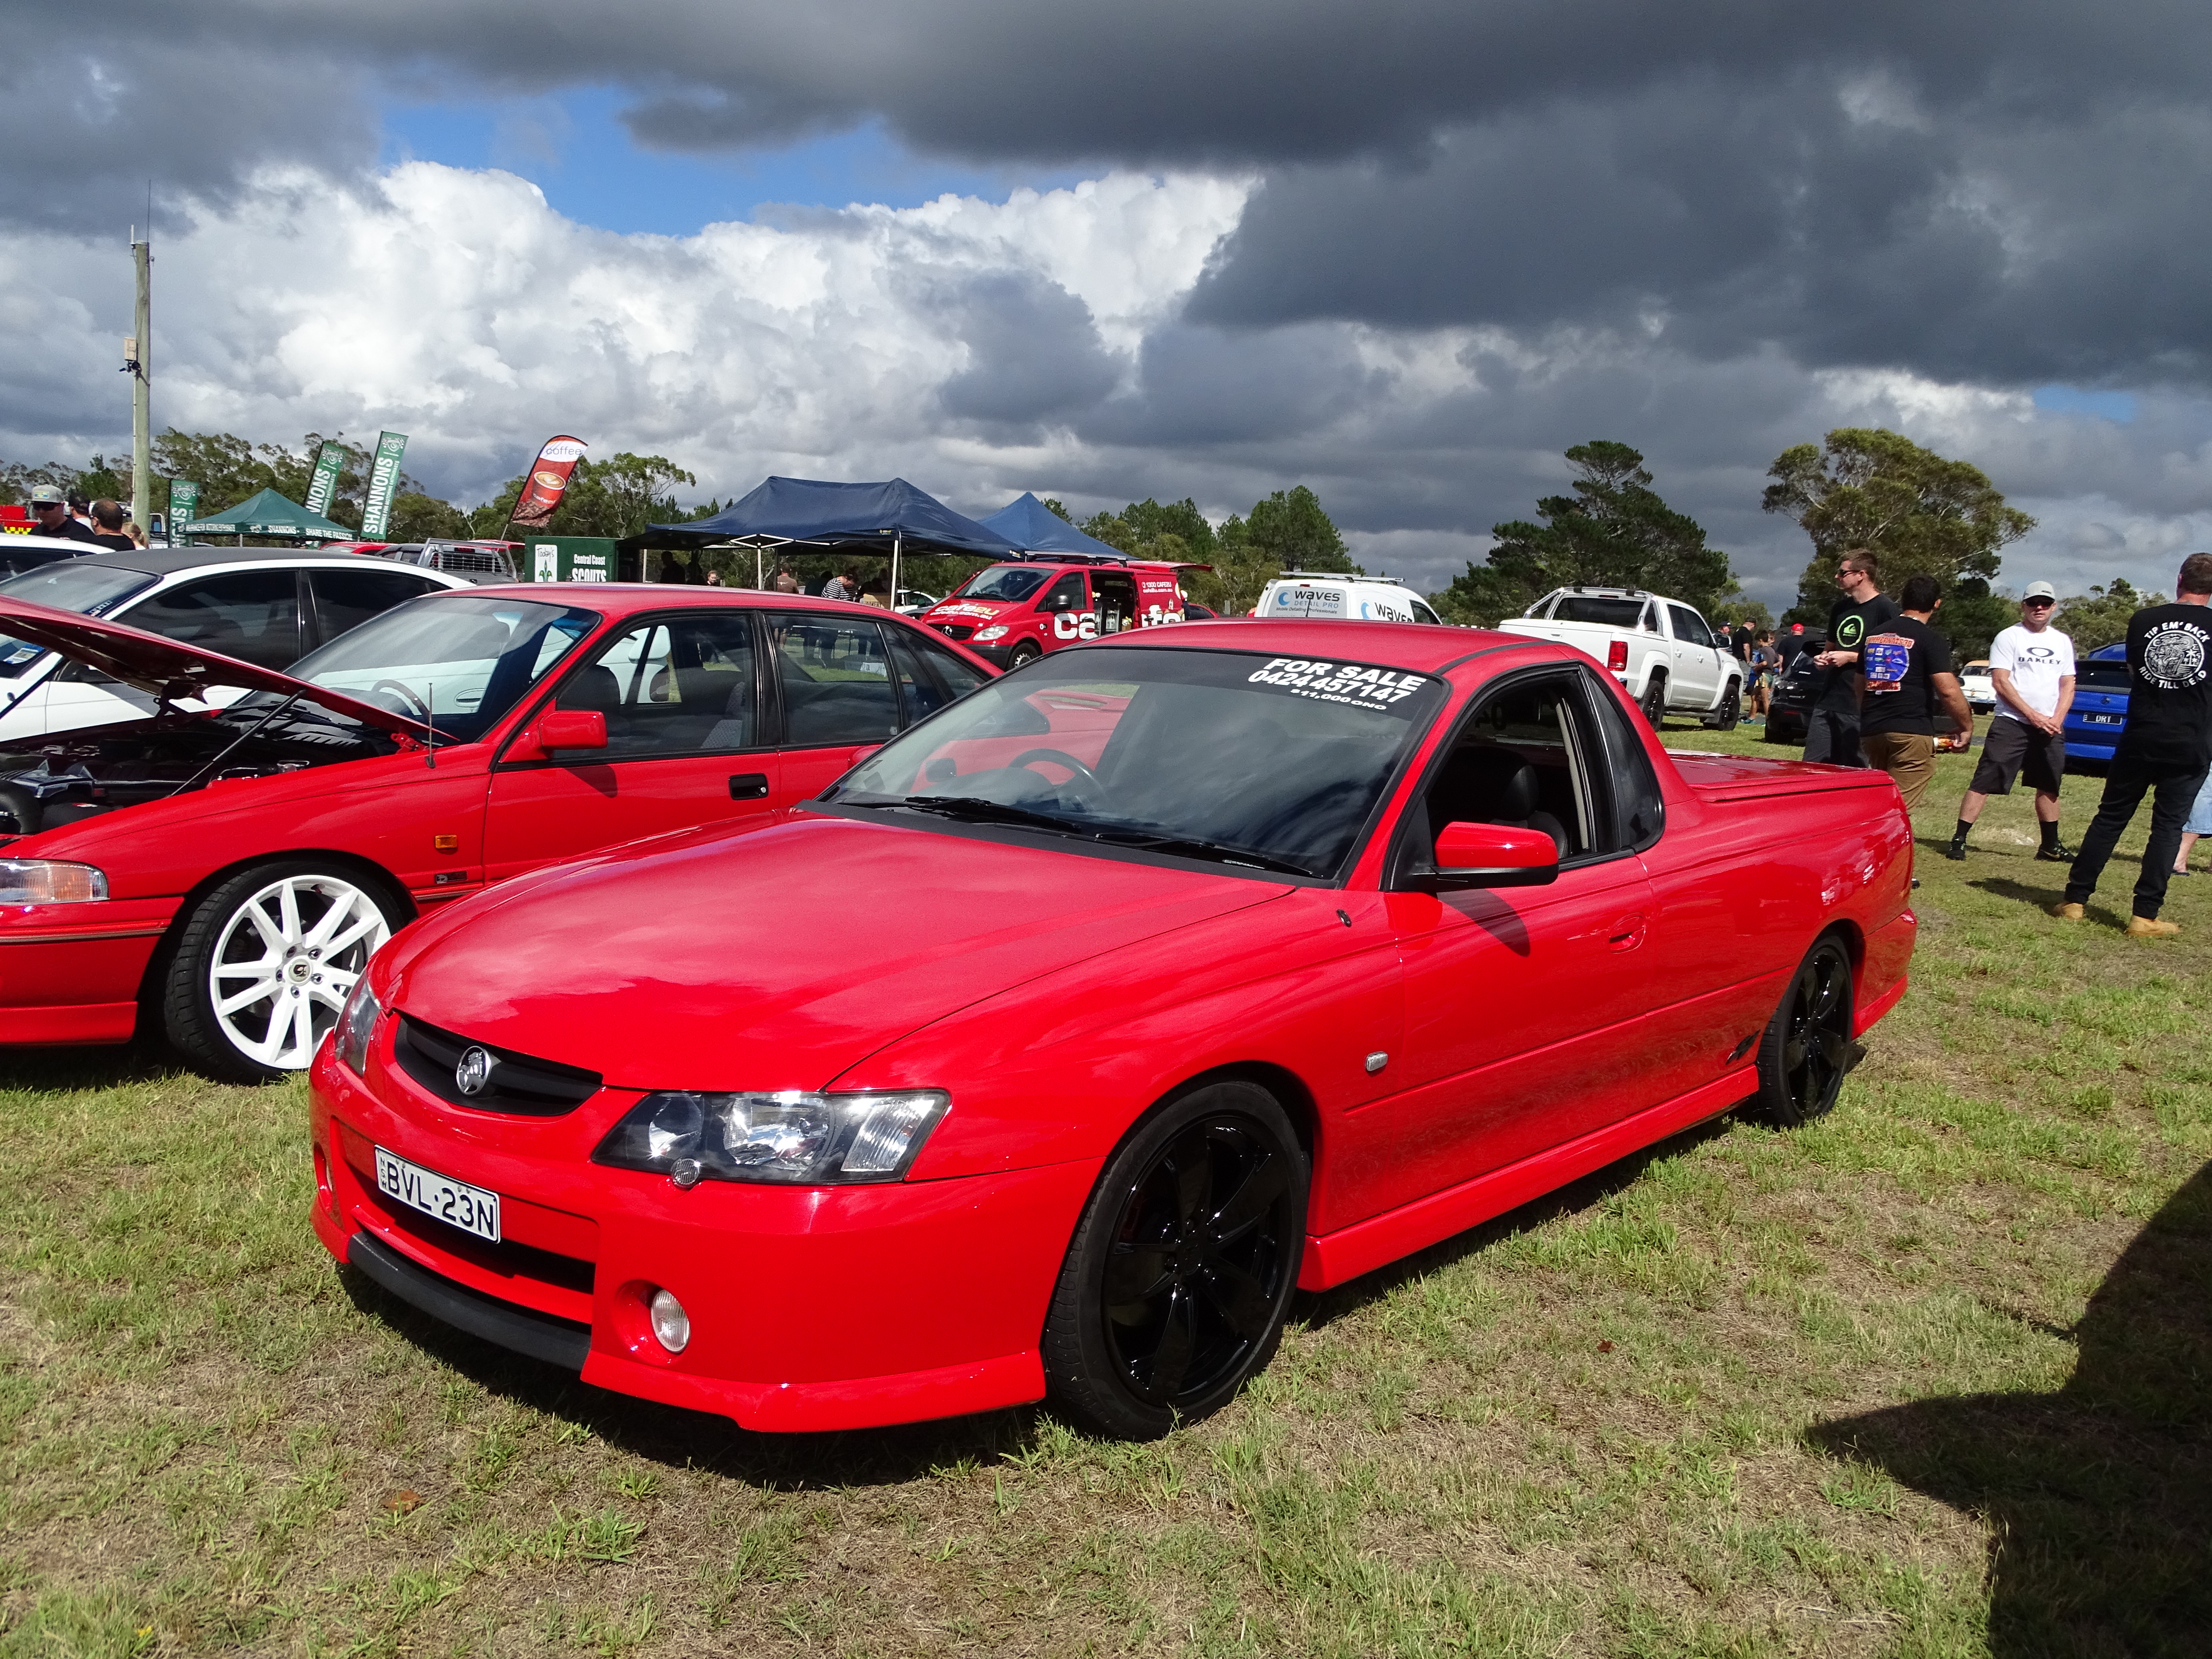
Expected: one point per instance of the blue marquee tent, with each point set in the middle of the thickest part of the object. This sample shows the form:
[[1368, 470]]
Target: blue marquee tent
[[891, 517], [1029, 525]]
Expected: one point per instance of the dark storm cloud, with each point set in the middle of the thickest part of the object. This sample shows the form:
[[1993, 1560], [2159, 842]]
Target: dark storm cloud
[[1033, 353]]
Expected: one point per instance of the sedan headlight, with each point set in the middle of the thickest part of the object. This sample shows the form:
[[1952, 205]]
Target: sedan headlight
[[995, 631], [47, 881], [789, 1137], [356, 1024]]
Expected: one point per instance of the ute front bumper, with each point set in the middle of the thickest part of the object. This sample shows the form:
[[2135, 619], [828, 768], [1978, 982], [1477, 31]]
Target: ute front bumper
[[809, 1308]]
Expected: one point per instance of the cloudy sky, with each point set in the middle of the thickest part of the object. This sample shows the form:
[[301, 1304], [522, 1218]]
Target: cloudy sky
[[1403, 253]]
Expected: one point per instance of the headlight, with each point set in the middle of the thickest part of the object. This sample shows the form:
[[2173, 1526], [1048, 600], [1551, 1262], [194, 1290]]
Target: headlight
[[45, 881], [789, 1137], [995, 631], [356, 1024]]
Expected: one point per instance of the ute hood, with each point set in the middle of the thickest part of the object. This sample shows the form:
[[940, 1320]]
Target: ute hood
[[780, 957], [171, 670]]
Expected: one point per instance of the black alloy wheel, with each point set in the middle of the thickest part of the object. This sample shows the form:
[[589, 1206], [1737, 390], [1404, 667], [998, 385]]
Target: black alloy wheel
[[1027, 652], [1731, 706], [1180, 1274], [1654, 700], [1809, 1045]]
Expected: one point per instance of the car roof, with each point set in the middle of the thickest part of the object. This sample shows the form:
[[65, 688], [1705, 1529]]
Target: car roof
[[167, 561], [1424, 648]]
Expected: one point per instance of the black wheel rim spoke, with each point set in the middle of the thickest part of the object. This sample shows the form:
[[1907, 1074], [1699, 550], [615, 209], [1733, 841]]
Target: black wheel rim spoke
[[1200, 1257], [1817, 1042]]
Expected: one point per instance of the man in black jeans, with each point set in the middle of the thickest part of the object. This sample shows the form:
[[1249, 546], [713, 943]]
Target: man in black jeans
[[2166, 748]]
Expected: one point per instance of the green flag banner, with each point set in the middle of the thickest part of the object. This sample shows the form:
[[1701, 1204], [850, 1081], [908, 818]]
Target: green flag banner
[[324, 486], [184, 506], [383, 484]]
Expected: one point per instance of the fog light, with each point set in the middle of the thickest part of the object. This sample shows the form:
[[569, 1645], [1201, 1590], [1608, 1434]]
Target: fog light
[[672, 1326]]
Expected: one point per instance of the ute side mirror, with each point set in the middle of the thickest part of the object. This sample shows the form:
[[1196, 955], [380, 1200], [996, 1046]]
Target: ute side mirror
[[1495, 855]]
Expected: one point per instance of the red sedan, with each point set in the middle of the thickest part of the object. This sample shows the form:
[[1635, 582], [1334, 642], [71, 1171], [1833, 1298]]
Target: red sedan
[[1050, 1048], [224, 875]]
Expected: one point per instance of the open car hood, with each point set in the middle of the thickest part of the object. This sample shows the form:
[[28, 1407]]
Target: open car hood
[[171, 670]]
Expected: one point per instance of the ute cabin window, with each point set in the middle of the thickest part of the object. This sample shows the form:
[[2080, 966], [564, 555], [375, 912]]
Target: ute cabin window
[[678, 686], [1688, 628], [1525, 759], [835, 682], [251, 615], [1637, 811], [1066, 594]]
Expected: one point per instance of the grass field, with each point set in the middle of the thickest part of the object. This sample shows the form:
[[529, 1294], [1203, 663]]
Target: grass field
[[1928, 1378]]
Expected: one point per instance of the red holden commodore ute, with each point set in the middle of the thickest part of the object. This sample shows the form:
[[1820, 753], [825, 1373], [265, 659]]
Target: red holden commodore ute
[[1056, 1043], [222, 873]]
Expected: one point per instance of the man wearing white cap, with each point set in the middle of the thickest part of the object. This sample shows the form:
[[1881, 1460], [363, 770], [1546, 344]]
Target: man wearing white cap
[[2032, 665]]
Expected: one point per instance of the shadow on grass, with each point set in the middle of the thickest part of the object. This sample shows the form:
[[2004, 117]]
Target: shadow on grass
[[679, 1438], [1318, 1308], [2100, 1495], [106, 1067]]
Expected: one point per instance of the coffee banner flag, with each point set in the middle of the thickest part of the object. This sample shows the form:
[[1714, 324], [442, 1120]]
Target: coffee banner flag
[[383, 484], [323, 488], [547, 483]]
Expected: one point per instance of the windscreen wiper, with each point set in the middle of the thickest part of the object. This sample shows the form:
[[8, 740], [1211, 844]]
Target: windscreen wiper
[[1217, 852], [991, 812]]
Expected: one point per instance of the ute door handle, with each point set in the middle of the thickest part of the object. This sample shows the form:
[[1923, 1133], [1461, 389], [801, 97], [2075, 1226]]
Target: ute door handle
[[1626, 933], [749, 786]]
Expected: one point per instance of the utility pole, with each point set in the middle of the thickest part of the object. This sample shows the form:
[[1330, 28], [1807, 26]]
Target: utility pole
[[142, 457]]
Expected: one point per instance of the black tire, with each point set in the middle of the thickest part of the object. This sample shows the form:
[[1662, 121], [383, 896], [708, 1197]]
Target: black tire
[[1731, 706], [1807, 1045], [1654, 700], [1027, 652], [1204, 1285], [210, 944]]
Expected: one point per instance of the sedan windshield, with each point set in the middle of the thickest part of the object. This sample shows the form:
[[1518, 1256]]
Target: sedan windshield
[[466, 660], [1266, 762], [90, 589], [1003, 581]]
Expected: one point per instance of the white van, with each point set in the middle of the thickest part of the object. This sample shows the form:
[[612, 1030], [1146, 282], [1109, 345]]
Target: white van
[[1341, 599]]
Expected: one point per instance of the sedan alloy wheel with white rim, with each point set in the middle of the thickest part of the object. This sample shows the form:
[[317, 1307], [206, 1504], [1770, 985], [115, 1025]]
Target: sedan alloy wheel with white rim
[[266, 962]]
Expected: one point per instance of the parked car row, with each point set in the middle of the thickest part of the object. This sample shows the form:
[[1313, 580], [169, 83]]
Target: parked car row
[[649, 946]]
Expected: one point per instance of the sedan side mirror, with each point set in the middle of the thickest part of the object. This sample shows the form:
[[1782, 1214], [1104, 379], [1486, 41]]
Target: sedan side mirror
[[572, 728], [1495, 855]]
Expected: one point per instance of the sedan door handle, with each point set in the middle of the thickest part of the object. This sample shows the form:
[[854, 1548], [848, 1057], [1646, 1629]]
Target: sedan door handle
[[749, 786], [1626, 933]]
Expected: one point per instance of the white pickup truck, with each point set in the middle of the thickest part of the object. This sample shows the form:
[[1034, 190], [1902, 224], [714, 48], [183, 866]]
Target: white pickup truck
[[1659, 648]]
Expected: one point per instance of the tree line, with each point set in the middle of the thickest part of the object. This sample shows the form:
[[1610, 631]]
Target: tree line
[[1919, 513]]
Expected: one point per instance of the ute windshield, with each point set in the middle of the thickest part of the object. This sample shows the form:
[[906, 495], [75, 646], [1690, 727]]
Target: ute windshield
[[1234, 758], [1003, 582], [90, 589], [467, 660]]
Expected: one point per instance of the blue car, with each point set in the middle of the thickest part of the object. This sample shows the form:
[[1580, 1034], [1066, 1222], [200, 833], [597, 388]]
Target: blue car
[[2099, 713]]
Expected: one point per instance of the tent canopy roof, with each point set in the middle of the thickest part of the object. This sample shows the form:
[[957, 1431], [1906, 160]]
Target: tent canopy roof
[[269, 514], [810, 510], [1029, 525]]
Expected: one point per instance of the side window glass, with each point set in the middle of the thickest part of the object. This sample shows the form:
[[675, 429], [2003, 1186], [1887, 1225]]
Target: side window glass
[[835, 681], [1635, 809], [682, 685], [1687, 627], [251, 615], [344, 600], [1065, 594], [928, 678], [1423, 614], [1522, 759]]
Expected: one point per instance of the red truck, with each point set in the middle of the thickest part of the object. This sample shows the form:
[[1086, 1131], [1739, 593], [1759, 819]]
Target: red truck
[[1015, 612]]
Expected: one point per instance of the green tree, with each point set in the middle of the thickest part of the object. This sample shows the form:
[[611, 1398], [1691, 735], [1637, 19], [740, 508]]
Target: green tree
[[618, 497], [1917, 512], [1058, 508], [1614, 531], [2100, 616], [416, 517]]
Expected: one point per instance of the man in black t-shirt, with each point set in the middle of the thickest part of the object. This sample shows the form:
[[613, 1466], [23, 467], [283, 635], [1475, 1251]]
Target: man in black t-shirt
[[1906, 669], [1832, 730], [50, 516], [2165, 749]]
